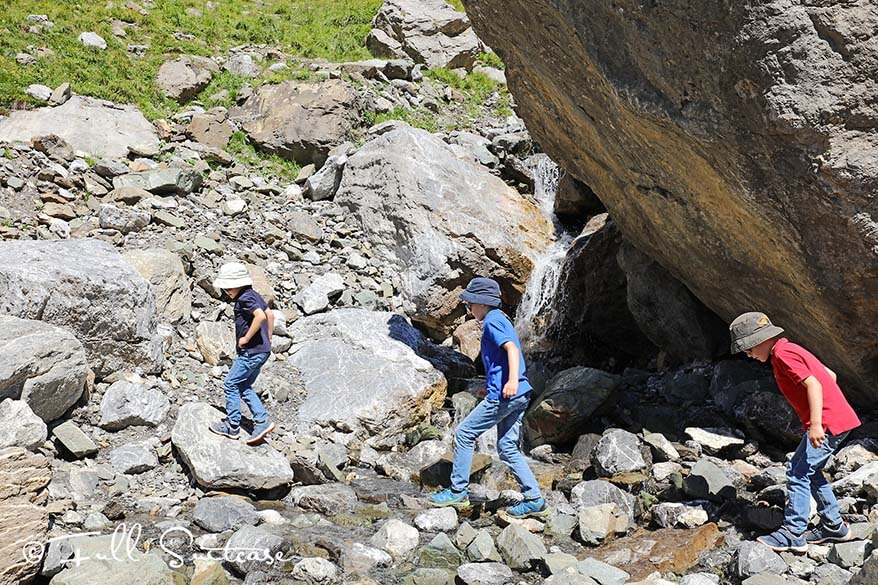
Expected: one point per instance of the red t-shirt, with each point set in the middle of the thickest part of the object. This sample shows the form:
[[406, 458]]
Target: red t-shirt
[[792, 365]]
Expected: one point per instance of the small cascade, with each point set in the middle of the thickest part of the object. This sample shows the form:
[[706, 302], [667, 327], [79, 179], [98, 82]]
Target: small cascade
[[531, 317]]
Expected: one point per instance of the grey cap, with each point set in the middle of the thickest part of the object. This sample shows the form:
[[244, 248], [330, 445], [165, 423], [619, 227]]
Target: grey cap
[[751, 329]]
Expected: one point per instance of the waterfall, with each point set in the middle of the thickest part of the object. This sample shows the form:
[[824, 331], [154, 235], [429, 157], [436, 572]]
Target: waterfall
[[532, 314]]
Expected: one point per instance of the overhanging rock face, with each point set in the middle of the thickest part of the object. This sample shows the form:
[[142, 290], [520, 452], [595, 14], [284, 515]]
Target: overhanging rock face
[[735, 143]]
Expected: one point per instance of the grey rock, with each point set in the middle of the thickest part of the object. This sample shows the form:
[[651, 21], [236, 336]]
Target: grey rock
[[184, 77], [221, 463], [437, 520], [100, 565], [766, 579], [91, 39], [242, 64], [485, 574], [559, 414], [161, 181], [253, 537], [603, 573], [519, 547], [315, 570], [123, 219], [440, 553], [94, 126], [74, 440], [360, 559], [61, 95], [302, 225], [850, 554], [700, 579], [716, 441], [397, 538], [855, 483], [706, 480], [426, 576], [662, 449], [40, 93], [221, 513], [315, 298], [674, 514], [868, 573], [618, 451], [165, 272], [216, 341], [133, 458], [829, 574], [559, 562], [49, 280], [23, 514], [754, 558], [323, 184], [330, 499], [600, 522], [20, 427], [397, 184], [482, 548], [128, 404], [595, 492]]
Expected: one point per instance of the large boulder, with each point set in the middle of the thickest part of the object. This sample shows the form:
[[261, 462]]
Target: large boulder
[[723, 179], [164, 271], [24, 477], [182, 78], [440, 219], [221, 463], [43, 365], [363, 370], [427, 31], [111, 558], [100, 128], [299, 120], [560, 412], [88, 288], [20, 427]]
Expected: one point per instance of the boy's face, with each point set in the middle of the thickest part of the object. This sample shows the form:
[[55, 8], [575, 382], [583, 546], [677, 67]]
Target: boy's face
[[762, 351], [232, 292], [477, 310]]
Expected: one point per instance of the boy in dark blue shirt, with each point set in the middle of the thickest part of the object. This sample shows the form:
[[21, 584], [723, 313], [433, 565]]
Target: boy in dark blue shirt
[[253, 326], [507, 394]]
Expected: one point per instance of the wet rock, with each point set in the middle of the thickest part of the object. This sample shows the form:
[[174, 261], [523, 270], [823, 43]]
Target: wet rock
[[754, 558], [94, 126], [222, 463], [437, 520], [20, 427], [706, 480], [127, 404], [575, 201], [520, 548], [215, 341], [397, 538], [568, 402], [161, 181], [165, 272], [184, 77], [330, 499], [74, 440], [221, 513], [391, 187], [133, 458], [299, 120], [596, 492], [485, 574], [253, 538], [618, 451]]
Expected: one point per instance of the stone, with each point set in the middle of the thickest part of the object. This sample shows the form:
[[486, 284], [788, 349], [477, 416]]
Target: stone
[[395, 186], [209, 572], [560, 413], [299, 120], [39, 92], [559, 563], [601, 572], [211, 129], [360, 559], [868, 573], [163, 217], [440, 553], [315, 570], [830, 574], [485, 574], [161, 181], [671, 514], [426, 576], [184, 77], [315, 298], [397, 538], [74, 440], [716, 441], [215, 341], [98, 127], [754, 558], [765, 579], [61, 95], [575, 201], [50, 280], [618, 451], [691, 199], [123, 219], [430, 32], [437, 520], [707, 481], [242, 64], [595, 492], [23, 515], [165, 272], [662, 449], [601, 522], [519, 548], [133, 458], [220, 463], [482, 548], [323, 184], [303, 226], [99, 564], [330, 499], [408, 466], [700, 579], [850, 554], [128, 404], [91, 39], [20, 427], [362, 369], [253, 538]]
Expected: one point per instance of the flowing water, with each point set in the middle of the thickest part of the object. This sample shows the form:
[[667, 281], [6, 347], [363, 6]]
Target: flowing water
[[533, 311]]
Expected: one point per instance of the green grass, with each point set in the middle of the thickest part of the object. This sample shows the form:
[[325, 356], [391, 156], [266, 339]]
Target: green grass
[[491, 60], [417, 118], [246, 154], [331, 29], [457, 4]]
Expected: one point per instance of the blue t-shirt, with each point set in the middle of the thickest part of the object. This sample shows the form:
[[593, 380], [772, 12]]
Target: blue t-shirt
[[497, 329], [246, 302]]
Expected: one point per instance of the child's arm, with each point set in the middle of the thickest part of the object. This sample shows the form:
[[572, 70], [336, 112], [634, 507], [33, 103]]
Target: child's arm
[[258, 318], [510, 389], [270, 315], [831, 374], [815, 405]]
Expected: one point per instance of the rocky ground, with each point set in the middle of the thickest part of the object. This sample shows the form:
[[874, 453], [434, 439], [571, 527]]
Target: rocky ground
[[116, 345]]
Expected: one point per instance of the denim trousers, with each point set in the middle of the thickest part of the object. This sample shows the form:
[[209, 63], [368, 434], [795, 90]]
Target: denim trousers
[[239, 384], [506, 415], [805, 479]]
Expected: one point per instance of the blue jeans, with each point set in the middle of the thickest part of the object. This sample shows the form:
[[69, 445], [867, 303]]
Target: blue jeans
[[506, 415], [805, 479], [239, 384]]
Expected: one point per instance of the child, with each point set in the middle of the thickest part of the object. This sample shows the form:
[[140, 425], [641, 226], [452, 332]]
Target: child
[[811, 389], [507, 396], [253, 327]]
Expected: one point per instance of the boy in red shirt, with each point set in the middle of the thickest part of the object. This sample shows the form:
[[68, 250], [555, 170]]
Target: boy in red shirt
[[826, 416]]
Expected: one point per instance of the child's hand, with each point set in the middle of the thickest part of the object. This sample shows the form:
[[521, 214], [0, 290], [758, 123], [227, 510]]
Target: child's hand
[[816, 436], [242, 342], [510, 389]]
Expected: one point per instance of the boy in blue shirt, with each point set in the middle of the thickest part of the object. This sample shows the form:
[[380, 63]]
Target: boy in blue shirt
[[253, 325], [507, 395]]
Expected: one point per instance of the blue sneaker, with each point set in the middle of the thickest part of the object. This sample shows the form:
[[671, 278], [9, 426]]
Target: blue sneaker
[[536, 508], [223, 428], [824, 533], [259, 432], [449, 497], [782, 540]]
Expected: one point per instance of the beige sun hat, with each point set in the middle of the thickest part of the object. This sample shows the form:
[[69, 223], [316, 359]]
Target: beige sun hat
[[233, 275], [751, 329]]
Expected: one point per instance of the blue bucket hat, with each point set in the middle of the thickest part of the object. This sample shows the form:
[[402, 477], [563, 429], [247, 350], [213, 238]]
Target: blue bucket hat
[[484, 291]]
